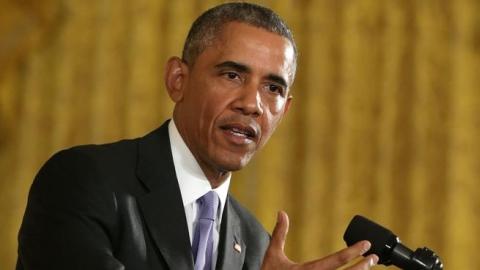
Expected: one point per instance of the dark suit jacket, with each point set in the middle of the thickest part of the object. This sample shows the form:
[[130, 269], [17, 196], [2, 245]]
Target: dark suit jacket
[[118, 206]]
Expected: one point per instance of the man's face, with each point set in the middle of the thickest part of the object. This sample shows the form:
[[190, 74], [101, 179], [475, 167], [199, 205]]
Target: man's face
[[232, 99]]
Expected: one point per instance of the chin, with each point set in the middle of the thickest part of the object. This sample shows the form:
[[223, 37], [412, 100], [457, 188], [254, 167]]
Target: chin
[[232, 165]]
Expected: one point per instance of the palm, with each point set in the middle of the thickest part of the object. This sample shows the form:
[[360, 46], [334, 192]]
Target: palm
[[275, 258]]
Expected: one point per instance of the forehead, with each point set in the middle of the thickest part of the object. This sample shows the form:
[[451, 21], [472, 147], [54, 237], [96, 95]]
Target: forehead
[[255, 47]]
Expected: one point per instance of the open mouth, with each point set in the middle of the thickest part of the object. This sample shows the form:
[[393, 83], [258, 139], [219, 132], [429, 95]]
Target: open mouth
[[241, 131]]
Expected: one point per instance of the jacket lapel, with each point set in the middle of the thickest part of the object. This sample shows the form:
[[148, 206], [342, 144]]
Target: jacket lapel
[[162, 206], [231, 250]]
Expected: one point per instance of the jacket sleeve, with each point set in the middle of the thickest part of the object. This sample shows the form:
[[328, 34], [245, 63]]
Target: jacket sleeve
[[69, 221]]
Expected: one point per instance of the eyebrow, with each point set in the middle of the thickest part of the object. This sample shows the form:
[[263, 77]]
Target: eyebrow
[[234, 65], [277, 79], [245, 69]]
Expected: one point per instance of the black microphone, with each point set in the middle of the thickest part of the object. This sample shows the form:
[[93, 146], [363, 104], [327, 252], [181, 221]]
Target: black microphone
[[388, 248]]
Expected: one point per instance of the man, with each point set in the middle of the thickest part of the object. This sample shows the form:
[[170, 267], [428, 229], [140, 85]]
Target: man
[[140, 204]]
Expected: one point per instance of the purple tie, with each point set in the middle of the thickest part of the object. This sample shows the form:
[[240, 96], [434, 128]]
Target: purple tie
[[202, 245]]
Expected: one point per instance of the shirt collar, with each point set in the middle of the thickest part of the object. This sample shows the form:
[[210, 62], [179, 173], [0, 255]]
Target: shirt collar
[[192, 181]]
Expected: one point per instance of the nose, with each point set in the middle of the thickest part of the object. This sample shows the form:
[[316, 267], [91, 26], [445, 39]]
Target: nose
[[249, 101]]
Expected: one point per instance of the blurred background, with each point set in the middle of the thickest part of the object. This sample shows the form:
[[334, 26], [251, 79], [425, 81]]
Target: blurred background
[[385, 120]]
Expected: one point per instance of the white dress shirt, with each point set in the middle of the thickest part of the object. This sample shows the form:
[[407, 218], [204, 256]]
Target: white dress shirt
[[194, 184]]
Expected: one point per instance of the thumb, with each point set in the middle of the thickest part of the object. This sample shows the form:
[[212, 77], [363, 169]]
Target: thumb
[[280, 231]]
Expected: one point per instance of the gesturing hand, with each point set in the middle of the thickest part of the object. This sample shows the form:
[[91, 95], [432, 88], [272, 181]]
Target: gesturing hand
[[275, 258]]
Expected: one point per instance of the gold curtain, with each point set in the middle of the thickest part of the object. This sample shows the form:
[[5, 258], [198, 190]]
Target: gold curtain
[[385, 120]]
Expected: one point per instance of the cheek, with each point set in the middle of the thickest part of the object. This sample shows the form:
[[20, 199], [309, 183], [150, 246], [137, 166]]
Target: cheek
[[274, 104], [209, 103], [278, 106], [272, 117], [269, 124], [201, 98]]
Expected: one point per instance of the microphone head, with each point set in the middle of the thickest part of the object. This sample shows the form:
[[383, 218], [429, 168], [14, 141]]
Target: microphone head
[[383, 240]]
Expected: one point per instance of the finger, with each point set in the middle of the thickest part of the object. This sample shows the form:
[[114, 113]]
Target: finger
[[365, 264], [341, 257], [280, 231]]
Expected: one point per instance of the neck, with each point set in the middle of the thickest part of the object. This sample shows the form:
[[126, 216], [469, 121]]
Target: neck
[[215, 177]]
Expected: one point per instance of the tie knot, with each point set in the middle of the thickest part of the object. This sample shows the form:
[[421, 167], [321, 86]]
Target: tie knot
[[208, 205]]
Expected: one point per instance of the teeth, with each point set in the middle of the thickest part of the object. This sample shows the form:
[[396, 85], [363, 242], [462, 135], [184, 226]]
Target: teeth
[[239, 132]]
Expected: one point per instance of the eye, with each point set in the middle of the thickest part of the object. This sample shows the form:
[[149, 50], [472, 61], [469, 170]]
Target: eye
[[275, 88], [231, 75]]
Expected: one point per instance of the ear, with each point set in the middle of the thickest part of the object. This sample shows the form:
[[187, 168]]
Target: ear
[[287, 104], [176, 72]]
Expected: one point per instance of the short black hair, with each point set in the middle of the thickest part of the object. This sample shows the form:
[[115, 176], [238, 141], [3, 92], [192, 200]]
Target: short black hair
[[205, 28]]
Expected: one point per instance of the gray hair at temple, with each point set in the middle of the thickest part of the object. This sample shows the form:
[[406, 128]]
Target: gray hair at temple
[[205, 28]]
